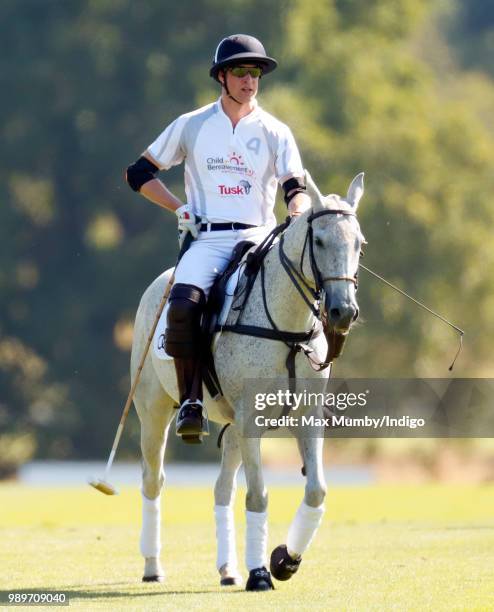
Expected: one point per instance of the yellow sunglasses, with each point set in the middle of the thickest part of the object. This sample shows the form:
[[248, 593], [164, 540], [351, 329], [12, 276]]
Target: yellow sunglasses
[[241, 71]]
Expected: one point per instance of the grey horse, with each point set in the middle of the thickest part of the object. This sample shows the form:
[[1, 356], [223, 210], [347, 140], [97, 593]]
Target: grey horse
[[336, 243]]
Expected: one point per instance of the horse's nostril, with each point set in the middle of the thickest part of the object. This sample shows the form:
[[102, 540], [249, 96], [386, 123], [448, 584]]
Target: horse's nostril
[[355, 316], [334, 313]]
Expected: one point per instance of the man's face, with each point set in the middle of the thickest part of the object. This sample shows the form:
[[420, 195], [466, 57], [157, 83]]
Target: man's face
[[242, 88]]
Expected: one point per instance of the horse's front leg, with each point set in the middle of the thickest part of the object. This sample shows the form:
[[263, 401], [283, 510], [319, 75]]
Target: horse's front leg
[[256, 515], [224, 498], [286, 559]]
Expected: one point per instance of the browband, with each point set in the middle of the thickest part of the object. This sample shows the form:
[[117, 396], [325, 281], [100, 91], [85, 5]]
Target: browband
[[330, 211]]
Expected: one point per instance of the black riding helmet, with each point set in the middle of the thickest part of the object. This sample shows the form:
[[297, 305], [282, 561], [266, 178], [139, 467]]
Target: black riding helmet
[[238, 49]]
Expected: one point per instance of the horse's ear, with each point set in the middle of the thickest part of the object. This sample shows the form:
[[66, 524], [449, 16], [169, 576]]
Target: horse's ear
[[313, 192], [356, 190]]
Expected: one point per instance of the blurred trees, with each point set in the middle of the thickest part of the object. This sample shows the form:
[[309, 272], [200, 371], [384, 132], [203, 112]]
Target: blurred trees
[[472, 34], [88, 84]]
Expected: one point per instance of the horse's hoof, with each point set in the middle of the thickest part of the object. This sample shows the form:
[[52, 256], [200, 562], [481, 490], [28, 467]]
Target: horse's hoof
[[153, 572], [156, 578], [282, 566], [231, 581], [259, 580], [229, 576], [192, 439]]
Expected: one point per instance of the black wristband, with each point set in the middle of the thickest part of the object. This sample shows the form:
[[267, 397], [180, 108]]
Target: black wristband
[[288, 198], [295, 185]]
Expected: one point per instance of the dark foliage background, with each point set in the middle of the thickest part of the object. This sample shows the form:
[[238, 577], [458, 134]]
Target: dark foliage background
[[399, 88]]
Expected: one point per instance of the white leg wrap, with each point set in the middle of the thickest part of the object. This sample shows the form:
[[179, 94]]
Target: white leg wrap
[[303, 528], [256, 539], [151, 527], [225, 538]]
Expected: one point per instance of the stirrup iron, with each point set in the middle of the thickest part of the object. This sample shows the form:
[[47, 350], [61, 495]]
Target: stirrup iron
[[192, 421]]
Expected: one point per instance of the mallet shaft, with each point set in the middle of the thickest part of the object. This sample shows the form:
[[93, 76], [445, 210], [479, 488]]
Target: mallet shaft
[[185, 245]]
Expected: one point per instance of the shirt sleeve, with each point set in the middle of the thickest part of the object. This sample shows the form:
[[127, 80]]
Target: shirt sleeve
[[288, 162], [168, 149]]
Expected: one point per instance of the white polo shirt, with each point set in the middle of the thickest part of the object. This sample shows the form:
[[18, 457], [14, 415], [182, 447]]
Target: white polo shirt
[[230, 174]]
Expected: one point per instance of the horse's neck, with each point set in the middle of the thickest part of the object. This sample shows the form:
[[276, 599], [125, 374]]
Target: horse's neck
[[286, 306]]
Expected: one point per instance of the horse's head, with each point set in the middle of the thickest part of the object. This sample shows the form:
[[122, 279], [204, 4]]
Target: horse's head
[[336, 242]]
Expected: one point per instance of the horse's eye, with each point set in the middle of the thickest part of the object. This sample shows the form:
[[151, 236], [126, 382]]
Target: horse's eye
[[318, 242]]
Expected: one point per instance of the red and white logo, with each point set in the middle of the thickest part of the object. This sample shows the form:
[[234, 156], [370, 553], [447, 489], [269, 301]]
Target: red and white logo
[[233, 163]]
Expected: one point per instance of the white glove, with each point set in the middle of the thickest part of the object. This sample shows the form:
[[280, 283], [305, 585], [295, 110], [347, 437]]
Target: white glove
[[187, 222]]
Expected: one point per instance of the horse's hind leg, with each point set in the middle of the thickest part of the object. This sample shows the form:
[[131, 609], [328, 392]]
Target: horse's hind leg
[[224, 498], [155, 410], [285, 559]]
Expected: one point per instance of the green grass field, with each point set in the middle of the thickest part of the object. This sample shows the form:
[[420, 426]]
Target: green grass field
[[380, 548]]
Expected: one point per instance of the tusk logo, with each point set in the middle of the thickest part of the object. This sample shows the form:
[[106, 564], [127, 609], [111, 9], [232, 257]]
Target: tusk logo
[[243, 188]]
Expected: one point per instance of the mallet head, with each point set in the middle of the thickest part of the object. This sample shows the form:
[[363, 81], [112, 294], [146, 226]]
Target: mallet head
[[103, 486]]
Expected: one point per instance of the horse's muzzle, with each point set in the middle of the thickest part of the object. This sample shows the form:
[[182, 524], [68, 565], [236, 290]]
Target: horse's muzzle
[[342, 316]]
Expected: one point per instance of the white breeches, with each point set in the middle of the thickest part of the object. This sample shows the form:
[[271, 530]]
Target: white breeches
[[209, 255]]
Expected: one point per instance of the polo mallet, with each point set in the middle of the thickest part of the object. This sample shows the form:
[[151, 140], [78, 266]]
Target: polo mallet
[[102, 484]]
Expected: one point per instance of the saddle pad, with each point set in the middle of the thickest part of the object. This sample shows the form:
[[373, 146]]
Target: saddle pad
[[159, 334]]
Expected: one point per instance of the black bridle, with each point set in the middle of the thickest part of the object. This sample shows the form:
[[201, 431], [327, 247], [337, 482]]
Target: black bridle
[[295, 341], [335, 340], [298, 277], [310, 238]]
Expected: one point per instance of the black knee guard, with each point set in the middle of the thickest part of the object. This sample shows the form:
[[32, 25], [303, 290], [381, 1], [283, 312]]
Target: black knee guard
[[183, 328]]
